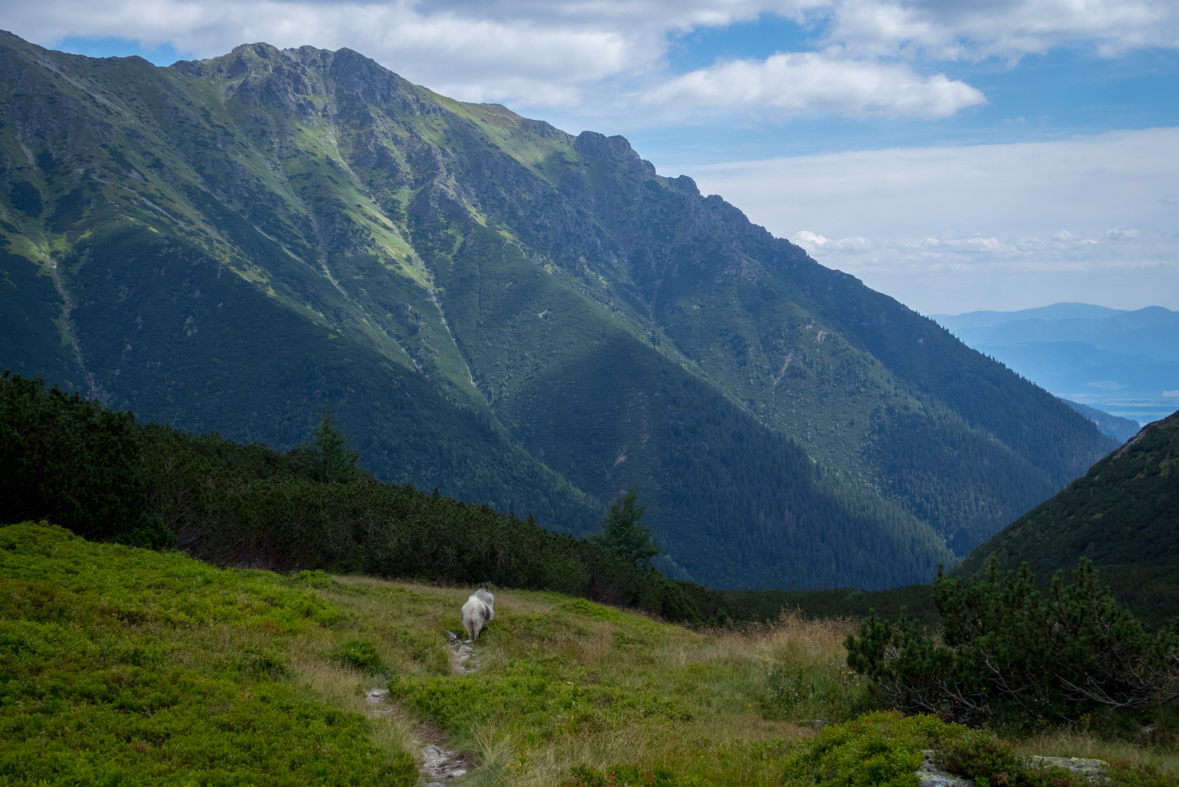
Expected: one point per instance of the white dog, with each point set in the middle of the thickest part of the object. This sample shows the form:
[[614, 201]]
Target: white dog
[[478, 612]]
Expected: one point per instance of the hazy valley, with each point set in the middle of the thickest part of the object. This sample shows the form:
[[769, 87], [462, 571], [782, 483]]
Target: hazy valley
[[1125, 363]]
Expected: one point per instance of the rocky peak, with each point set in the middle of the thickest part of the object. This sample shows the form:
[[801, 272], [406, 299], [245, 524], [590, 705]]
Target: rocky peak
[[614, 149], [289, 79]]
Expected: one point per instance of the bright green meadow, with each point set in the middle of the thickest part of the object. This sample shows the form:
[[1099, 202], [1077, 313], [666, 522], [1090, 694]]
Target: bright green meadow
[[128, 666]]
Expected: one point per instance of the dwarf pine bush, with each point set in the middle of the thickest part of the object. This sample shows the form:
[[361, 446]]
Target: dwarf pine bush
[[1009, 654]]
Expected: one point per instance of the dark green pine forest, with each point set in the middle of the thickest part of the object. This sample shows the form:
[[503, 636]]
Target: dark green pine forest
[[67, 460], [523, 319]]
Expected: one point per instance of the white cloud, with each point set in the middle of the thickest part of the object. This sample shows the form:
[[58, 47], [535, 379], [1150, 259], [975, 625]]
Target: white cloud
[[817, 244], [585, 52], [474, 57], [813, 83], [952, 30], [986, 226]]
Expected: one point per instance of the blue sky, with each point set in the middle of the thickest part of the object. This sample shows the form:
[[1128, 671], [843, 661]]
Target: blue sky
[[958, 156]]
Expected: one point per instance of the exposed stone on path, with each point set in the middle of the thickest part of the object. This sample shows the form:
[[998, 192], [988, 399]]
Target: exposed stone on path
[[1090, 770], [377, 697], [460, 655], [438, 765]]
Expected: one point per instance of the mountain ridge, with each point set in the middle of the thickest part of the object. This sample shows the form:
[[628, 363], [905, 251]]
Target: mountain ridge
[[1123, 362], [514, 314]]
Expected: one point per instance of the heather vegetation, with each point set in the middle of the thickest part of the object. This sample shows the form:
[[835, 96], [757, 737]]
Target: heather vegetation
[[125, 666], [147, 667]]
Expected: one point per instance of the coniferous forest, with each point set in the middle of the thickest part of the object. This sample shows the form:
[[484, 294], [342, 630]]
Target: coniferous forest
[[98, 473]]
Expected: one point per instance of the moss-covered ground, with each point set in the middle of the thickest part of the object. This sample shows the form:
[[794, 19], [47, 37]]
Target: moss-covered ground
[[126, 666]]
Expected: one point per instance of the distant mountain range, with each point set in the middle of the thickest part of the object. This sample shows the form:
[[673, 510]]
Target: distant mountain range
[[1120, 429], [517, 316], [1125, 363]]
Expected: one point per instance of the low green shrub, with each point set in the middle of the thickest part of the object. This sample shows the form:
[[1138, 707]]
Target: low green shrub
[[980, 755], [127, 666], [628, 776], [885, 749], [1123, 773], [881, 749], [360, 655]]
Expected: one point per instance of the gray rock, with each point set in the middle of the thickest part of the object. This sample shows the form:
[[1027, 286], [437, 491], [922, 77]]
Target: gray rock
[[931, 776], [439, 764], [1091, 770]]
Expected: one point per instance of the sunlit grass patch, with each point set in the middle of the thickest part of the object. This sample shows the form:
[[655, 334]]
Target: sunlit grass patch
[[127, 666]]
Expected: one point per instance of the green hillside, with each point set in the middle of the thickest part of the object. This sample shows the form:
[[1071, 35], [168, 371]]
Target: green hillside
[[124, 666], [1123, 515], [128, 666], [102, 476], [516, 316]]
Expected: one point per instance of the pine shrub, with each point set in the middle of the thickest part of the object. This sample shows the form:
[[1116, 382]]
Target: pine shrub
[[1013, 656]]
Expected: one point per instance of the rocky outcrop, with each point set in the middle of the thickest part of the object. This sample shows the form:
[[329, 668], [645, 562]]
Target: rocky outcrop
[[1090, 770]]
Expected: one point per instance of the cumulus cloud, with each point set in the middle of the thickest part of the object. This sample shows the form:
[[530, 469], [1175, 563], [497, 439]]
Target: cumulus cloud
[[587, 52], [815, 243], [814, 83], [952, 30], [473, 57]]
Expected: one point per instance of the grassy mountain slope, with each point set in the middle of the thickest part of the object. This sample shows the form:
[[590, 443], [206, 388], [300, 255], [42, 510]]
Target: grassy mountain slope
[[494, 307], [1123, 515], [134, 667]]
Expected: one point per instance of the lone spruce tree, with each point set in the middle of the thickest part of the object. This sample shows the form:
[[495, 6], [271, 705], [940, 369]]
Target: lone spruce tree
[[623, 535], [337, 465]]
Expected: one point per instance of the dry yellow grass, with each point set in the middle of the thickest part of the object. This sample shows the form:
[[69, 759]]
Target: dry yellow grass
[[750, 694], [1079, 743]]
